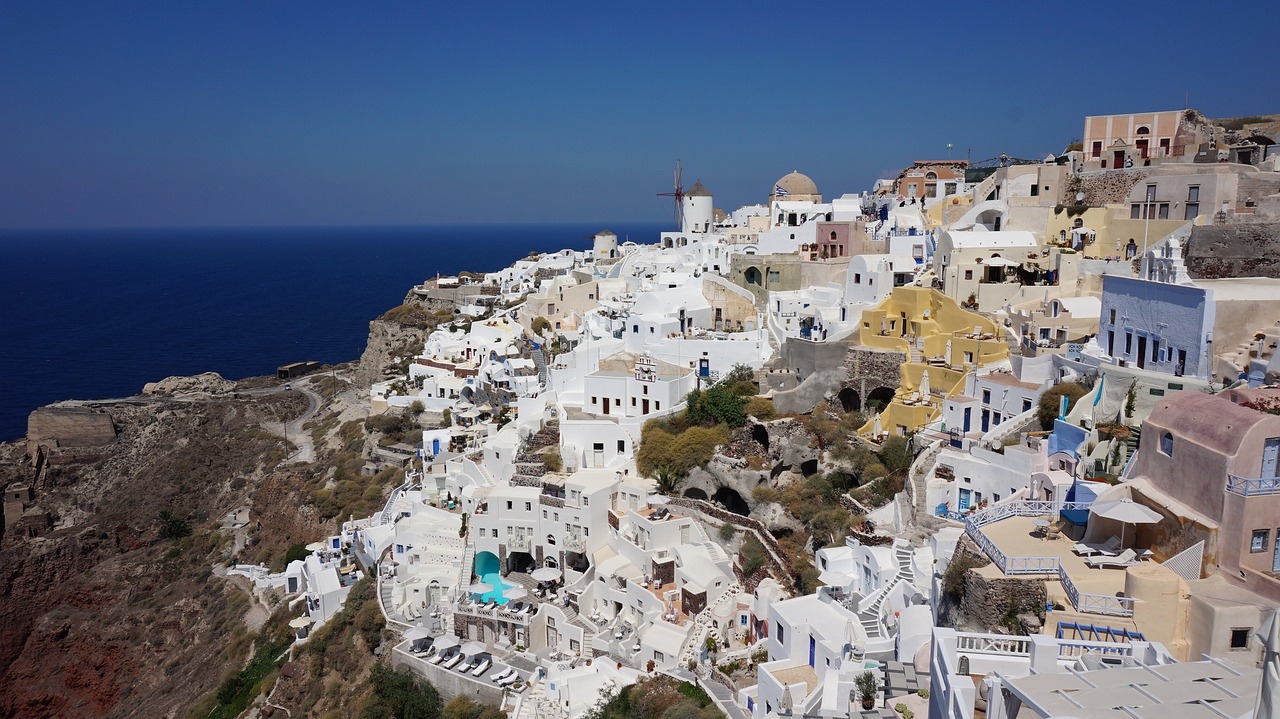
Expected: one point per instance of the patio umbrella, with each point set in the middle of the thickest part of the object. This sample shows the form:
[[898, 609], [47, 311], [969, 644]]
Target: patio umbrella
[[876, 429], [546, 574], [656, 499], [470, 649], [1126, 511], [300, 623], [1268, 633], [442, 643], [947, 352], [416, 633], [315, 546], [924, 384], [516, 593], [835, 579], [480, 588]]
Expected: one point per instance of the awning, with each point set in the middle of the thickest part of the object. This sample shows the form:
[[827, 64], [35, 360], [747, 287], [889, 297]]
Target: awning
[[1000, 262]]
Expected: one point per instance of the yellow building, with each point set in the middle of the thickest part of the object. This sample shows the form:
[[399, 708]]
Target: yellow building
[[942, 342]]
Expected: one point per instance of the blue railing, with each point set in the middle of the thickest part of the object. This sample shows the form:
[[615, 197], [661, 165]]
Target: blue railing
[[1253, 486]]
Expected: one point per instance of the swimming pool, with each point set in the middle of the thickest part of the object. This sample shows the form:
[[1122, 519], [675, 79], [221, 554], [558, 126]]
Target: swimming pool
[[499, 586]]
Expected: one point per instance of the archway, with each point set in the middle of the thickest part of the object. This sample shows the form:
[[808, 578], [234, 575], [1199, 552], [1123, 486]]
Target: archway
[[849, 399], [753, 277], [520, 562], [577, 561], [880, 397], [695, 493], [486, 563], [732, 501]]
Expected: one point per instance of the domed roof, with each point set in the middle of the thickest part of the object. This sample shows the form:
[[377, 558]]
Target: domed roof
[[796, 183]]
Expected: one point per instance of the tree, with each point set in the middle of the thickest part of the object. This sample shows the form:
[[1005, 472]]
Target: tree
[[540, 325], [895, 454], [1047, 411], [668, 481], [173, 526], [464, 708], [417, 407]]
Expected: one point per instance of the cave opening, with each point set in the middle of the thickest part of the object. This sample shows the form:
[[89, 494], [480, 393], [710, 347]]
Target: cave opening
[[732, 501]]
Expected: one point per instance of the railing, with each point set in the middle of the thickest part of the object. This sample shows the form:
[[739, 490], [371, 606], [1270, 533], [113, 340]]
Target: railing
[[1253, 487], [1094, 603], [1072, 650], [575, 543], [993, 644]]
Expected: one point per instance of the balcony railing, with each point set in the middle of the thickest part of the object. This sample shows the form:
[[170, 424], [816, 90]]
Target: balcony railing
[[1253, 486], [993, 644]]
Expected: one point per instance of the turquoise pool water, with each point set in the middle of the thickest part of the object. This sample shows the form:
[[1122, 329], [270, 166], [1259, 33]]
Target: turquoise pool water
[[499, 586]]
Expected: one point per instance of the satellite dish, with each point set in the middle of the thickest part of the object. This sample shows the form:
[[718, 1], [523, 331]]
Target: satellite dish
[[1079, 197]]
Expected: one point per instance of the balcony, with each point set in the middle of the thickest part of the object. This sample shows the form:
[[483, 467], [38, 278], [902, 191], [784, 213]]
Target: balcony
[[575, 543], [1253, 486]]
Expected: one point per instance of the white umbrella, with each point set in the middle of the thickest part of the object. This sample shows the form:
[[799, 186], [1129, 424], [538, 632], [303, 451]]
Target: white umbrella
[[1126, 511], [924, 384], [447, 641], [470, 649], [947, 352], [546, 574], [876, 429], [480, 588], [656, 499], [516, 593], [1268, 633], [300, 623], [315, 546], [835, 579], [415, 633]]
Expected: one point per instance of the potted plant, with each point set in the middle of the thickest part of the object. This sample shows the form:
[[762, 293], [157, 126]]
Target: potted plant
[[866, 684]]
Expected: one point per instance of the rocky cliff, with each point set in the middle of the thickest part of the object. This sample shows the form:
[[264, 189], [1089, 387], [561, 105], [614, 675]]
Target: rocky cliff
[[400, 332]]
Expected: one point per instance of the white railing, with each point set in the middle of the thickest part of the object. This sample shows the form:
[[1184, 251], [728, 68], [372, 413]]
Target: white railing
[[1074, 649], [993, 644], [1094, 603], [1253, 486]]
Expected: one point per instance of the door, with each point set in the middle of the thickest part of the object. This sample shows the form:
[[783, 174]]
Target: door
[[606, 404], [1182, 363], [1270, 452], [1142, 351], [986, 420], [968, 411], [1275, 555], [964, 499], [644, 406]]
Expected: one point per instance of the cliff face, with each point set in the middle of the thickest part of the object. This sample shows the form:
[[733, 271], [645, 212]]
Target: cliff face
[[103, 616], [399, 332]]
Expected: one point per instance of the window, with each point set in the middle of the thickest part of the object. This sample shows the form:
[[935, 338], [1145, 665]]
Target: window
[[633, 401], [1128, 343], [595, 401], [781, 634], [1258, 543], [1193, 193], [968, 274], [1166, 444], [544, 514], [1035, 190], [659, 657], [528, 506], [1163, 212], [622, 446], [1135, 212], [1096, 149], [1191, 211], [1026, 405], [1240, 638], [508, 505], [597, 446], [986, 396], [657, 405], [857, 278], [585, 500], [1151, 193], [1113, 315]]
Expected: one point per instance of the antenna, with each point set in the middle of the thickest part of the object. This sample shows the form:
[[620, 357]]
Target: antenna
[[678, 194]]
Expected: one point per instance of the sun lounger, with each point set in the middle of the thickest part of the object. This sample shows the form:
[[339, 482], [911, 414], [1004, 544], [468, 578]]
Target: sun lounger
[[436, 659], [502, 675], [1123, 560], [484, 667], [509, 680], [1108, 548], [465, 667], [452, 662]]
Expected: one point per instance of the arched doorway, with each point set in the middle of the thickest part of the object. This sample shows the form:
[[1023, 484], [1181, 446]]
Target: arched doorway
[[753, 276], [695, 493], [760, 435], [849, 399], [520, 562], [880, 397]]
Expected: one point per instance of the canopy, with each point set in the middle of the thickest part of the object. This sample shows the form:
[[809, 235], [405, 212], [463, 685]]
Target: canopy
[[470, 649], [300, 623], [315, 546], [1000, 262], [480, 588], [546, 574], [835, 579], [486, 407], [447, 641], [516, 593], [416, 633], [657, 499]]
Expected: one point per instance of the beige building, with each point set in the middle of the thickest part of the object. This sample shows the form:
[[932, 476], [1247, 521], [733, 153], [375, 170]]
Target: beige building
[[1117, 141]]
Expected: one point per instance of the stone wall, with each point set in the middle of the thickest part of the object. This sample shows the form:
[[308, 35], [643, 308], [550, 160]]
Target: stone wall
[[1101, 188], [1246, 249], [774, 557], [869, 369], [450, 684], [986, 600], [70, 427]]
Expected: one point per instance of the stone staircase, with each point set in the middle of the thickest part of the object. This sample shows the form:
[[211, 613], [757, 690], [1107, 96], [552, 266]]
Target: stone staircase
[[540, 362]]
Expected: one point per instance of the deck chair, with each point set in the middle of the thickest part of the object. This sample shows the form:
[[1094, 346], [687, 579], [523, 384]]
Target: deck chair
[[1108, 548], [1125, 558]]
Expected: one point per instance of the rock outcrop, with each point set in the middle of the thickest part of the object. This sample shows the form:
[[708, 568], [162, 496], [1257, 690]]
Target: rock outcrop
[[210, 383]]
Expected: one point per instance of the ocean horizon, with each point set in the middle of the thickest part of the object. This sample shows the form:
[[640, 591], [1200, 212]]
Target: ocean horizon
[[96, 314]]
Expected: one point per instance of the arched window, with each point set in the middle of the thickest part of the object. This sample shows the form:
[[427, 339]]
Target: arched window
[[551, 539], [1144, 130], [1078, 223], [833, 235], [1166, 444], [635, 329], [931, 176]]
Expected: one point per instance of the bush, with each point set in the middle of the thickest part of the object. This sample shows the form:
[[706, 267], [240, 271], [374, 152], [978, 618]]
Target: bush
[[751, 555], [1047, 411], [717, 405], [173, 526], [677, 453], [727, 530], [540, 325], [295, 552], [765, 494], [923, 692], [761, 408], [896, 453], [402, 695], [953, 578], [551, 458]]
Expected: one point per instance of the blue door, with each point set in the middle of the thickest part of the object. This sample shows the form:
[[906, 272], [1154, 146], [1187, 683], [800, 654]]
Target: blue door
[[813, 645], [968, 415], [435, 446], [986, 420], [1270, 452], [964, 499]]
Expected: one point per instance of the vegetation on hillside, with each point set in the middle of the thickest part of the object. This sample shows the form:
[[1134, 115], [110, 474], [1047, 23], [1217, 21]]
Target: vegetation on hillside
[[1051, 400], [660, 697]]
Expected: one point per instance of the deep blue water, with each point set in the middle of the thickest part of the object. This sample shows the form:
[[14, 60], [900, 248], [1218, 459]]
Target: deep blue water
[[97, 314]]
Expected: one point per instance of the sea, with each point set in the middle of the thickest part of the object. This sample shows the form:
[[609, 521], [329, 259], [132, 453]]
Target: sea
[[94, 314]]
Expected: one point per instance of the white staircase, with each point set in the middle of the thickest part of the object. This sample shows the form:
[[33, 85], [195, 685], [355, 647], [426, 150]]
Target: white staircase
[[869, 613]]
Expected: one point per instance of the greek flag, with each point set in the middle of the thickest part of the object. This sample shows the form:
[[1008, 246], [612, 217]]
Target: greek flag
[[780, 191]]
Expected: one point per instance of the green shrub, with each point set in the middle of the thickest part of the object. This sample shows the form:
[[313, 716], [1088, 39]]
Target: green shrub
[[727, 530], [1047, 410], [551, 458], [761, 408]]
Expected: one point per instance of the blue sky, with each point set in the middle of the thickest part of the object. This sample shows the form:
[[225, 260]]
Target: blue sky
[[296, 113]]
